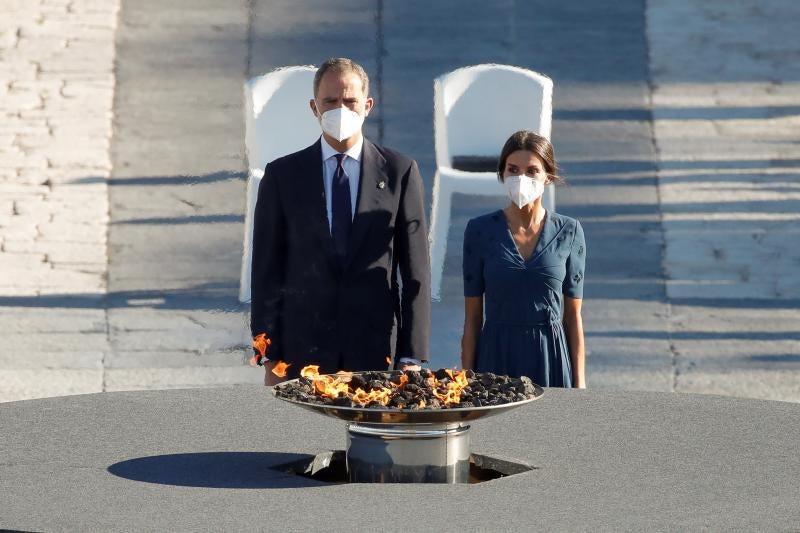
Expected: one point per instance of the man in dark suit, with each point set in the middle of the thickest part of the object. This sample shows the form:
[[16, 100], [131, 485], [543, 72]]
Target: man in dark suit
[[334, 225]]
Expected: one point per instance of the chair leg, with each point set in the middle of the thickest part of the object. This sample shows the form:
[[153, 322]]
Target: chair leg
[[440, 224]]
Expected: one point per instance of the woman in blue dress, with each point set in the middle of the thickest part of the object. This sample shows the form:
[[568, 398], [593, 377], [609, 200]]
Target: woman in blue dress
[[523, 271]]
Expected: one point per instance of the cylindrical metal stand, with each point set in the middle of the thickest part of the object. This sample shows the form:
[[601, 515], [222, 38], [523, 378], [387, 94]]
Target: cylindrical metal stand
[[408, 453]]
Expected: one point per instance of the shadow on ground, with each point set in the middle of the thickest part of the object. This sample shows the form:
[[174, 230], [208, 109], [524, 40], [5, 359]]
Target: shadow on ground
[[210, 296], [221, 470]]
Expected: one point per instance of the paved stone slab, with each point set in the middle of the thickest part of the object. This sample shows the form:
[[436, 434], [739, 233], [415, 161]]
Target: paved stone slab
[[30, 320], [156, 357], [36, 357], [29, 383], [119, 379], [25, 345], [148, 330], [770, 382]]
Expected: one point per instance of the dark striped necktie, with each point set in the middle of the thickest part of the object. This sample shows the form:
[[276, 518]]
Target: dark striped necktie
[[341, 209]]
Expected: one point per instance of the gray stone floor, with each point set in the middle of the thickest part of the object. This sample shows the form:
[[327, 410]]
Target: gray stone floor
[[676, 125], [209, 460]]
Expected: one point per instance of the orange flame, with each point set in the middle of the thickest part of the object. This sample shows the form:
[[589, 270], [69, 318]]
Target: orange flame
[[261, 344], [331, 387], [448, 391], [452, 389], [310, 371], [382, 395], [280, 369], [328, 386]]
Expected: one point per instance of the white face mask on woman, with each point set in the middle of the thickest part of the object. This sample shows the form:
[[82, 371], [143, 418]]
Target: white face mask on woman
[[522, 189], [341, 123]]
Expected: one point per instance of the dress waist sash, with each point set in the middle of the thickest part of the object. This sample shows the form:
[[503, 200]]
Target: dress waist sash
[[545, 321]]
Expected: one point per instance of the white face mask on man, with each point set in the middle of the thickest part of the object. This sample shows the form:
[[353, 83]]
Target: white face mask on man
[[341, 123], [523, 189]]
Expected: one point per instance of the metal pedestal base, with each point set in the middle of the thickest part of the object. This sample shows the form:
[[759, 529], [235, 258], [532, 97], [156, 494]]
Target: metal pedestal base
[[408, 453]]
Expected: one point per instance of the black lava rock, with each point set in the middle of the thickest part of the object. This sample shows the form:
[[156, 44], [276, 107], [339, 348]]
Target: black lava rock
[[482, 390]]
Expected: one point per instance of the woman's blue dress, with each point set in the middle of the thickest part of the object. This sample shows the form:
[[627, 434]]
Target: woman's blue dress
[[523, 300]]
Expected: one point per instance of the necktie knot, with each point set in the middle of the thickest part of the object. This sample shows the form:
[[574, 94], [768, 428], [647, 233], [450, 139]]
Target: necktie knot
[[340, 159]]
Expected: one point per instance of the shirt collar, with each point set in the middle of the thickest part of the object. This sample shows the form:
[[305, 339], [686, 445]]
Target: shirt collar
[[328, 151]]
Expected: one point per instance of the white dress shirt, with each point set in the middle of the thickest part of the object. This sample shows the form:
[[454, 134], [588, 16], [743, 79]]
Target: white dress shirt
[[351, 165]]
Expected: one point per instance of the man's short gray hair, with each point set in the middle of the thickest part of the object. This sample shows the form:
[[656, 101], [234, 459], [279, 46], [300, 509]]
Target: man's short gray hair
[[340, 65]]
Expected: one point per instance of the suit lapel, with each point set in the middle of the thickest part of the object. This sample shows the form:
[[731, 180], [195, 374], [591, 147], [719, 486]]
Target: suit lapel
[[373, 196]]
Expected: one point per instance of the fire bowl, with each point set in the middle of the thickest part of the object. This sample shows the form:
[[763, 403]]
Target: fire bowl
[[377, 415], [392, 445]]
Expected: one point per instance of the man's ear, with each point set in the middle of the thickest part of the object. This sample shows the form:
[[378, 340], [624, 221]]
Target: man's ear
[[368, 105], [313, 105]]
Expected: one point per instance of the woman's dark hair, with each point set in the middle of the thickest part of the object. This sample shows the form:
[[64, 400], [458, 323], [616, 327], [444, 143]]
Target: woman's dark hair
[[530, 142]]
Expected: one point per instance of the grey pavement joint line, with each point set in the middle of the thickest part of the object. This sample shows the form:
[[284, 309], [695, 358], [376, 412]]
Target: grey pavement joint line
[[251, 6], [662, 262], [104, 361]]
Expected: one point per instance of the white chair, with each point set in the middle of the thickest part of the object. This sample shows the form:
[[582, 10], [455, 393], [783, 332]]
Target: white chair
[[278, 121], [475, 110]]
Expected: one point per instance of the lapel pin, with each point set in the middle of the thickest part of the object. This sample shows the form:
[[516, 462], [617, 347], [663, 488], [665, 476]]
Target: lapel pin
[[381, 184]]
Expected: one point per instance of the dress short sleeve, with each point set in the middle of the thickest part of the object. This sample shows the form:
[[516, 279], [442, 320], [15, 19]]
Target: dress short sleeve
[[472, 261], [576, 265]]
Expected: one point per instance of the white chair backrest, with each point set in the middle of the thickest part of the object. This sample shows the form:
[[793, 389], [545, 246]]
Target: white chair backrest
[[278, 120], [476, 109]]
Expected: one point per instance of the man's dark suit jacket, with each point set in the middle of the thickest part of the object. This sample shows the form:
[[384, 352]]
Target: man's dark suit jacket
[[317, 310]]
